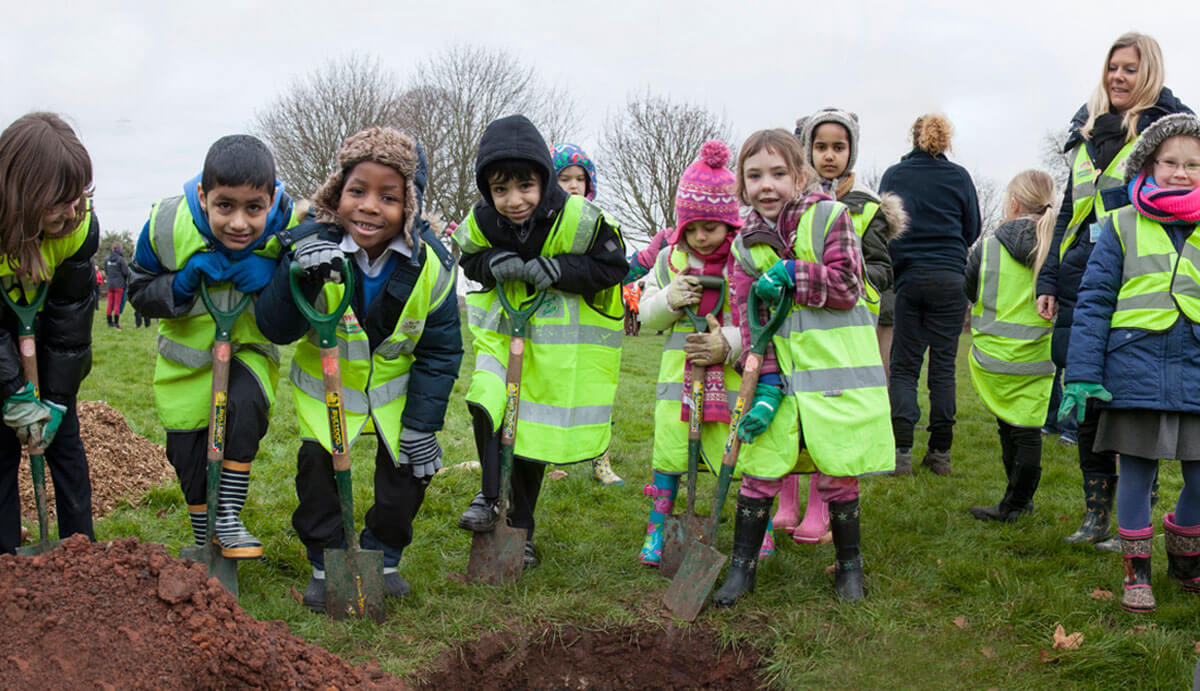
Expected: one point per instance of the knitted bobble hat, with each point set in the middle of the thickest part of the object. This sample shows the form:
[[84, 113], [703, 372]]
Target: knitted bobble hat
[[706, 191], [383, 145], [806, 129], [566, 155]]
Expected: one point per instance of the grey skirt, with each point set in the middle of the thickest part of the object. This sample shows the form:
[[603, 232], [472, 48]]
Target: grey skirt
[[1153, 434]]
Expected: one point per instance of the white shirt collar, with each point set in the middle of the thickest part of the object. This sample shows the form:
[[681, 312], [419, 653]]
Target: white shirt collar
[[399, 245]]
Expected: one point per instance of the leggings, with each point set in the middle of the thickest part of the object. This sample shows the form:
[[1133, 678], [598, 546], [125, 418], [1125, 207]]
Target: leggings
[[828, 487], [1133, 493]]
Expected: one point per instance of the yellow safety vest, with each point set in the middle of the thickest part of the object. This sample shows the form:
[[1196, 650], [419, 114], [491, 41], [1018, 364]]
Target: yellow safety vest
[[54, 252], [860, 221], [1157, 283], [572, 350], [1086, 185]]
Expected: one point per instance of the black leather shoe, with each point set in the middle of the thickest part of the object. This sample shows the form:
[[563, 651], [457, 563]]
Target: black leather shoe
[[314, 595], [481, 515]]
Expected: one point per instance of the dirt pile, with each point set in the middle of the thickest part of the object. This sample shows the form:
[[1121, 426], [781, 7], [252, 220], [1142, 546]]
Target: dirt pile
[[122, 465], [571, 658], [121, 614]]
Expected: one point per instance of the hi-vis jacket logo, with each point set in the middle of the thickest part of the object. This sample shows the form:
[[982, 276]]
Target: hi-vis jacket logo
[[350, 323], [1086, 168]]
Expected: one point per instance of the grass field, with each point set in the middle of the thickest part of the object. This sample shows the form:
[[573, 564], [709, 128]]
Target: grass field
[[951, 602]]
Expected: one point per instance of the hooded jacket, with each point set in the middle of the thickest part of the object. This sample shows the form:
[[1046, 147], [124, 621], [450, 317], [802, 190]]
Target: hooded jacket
[[1019, 238], [116, 270], [515, 137]]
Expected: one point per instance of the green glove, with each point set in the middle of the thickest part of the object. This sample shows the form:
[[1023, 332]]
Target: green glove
[[1075, 395], [780, 277], [32, 419], [756, 420]]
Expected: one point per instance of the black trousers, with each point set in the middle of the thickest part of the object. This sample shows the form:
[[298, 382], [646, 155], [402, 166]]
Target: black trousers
[[930, 308], [1021, 451], [67, 463], [526, 475], [1104, 463], [246, 418]]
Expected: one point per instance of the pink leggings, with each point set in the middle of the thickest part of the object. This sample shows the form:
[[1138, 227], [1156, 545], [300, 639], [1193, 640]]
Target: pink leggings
[[828, 487]]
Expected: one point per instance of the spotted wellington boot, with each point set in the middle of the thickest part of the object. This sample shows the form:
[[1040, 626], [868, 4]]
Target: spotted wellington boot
[[602, 471], [1135, 550], [1183, 553], [662, 493]]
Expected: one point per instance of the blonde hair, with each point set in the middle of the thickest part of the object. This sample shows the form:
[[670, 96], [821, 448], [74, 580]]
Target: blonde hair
[[1034, 193], [931, 133], [1146, 88], [777, 141]]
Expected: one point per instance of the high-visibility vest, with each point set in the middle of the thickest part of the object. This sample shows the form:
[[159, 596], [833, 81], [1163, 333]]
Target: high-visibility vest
[[54, 252], [374, 384], [830, 363], [1010, 344], [572, 350], [183, 371], [1157, 282], [1086, 185], [860, 221]]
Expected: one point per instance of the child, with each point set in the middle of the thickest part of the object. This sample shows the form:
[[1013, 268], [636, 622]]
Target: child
[[528, 235], [576, 175], [48, 232], [1010, 343], [220, 230], [1133, 344], [399, 339], [822, 374]]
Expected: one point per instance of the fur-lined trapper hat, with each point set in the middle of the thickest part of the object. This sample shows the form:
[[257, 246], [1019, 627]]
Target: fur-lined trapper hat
[[384, 145], [1174, 125], [807, 127]]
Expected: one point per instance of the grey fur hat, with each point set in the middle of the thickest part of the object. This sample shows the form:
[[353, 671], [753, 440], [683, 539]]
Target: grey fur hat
[[384, 145], [1162, 130], [807, 126]]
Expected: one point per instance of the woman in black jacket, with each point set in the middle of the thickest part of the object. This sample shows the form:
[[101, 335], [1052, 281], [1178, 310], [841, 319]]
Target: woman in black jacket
[[1129, 98]]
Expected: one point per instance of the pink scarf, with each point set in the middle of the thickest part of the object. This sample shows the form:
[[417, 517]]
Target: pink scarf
[[716, 398], [1164, 205]]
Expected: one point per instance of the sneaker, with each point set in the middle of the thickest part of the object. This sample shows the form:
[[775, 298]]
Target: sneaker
[[1068, 439], [602, 472], [531, 555], [314, 594], [903, 462], [938, 462], [394, 584], [481, 515]]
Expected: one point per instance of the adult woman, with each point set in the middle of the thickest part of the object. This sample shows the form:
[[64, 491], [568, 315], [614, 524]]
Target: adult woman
[[1129, 98], [928, 263]]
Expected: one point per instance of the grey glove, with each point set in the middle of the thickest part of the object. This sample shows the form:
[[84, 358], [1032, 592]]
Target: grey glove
[[542, 272], [321, 259], [683, 290], [418, 448], [32, 419], [506, 267]]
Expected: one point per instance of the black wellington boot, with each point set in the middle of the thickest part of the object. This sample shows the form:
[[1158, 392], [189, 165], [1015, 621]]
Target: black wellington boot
[[848, 573], [749, 527], [1098, 491], [1018, 499]]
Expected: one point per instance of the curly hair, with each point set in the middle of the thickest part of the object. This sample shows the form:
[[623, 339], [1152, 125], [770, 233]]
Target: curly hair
[[931, 133]]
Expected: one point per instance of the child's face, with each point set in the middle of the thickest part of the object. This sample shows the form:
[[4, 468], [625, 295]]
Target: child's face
[[705, 236], [768, 183], [236, 215], [831, 150], [1177, 163], [54, 221], [516, 200], [372, 205], [573, 179]]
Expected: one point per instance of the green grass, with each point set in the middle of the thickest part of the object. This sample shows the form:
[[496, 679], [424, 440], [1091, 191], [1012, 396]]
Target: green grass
[[928, 561]]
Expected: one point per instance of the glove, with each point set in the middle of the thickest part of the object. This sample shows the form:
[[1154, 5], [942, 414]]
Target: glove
[[321, 259], [418, 448], [542, 272], [33, 420], [709, 348], [756, 420], [683, 290], [507, 267], [251, 273], [187, 280], [1075, 395], [781, 276]]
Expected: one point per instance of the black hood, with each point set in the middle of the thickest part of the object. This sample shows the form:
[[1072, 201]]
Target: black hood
[[515, 137], [1166, 104], [1019, 237]]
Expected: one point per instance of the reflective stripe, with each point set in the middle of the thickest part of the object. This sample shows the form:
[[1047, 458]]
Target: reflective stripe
[[822, 216], [571, 333], [388, 391], [1159, 299], [164, 232], [462, 235], [989, 301], [555, 416], [744, 259], [485, 362], [353, 400], [1031, 369], [676, 340], [836, 379], [806, 319], [347, 350], [672, 391], [187, 356], [442, 287], [586, 229]]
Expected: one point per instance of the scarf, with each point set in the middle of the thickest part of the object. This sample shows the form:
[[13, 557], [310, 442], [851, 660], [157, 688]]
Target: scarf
[[716, 398], [1164, 205], [1107, 138]]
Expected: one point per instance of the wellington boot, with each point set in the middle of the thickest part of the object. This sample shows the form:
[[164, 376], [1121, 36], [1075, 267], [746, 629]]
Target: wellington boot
[[750, 524], [1135, 550], [814, 529], [394, 584], [787, 516], [602, 472], [1183, 553], [236, 542], [1098, 491], [198, 515], [314, 593], [662, 501], [848, 571]]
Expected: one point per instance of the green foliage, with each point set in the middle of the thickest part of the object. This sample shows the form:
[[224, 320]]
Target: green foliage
[[110, 237]]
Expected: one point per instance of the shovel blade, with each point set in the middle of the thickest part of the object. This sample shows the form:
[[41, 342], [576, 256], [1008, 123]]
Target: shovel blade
[[497, 557], [215, 564], [39, 547], [354, 584], [694, 581], [678, 534]]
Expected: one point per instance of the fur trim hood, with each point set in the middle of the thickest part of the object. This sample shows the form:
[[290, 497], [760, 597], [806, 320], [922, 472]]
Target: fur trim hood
[[806, 127], [384, 145], [890, 205], [1174, 125]]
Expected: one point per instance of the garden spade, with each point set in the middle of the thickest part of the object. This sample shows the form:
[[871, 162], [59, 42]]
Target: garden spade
[[497, 557], [27, 346], [680, 529], [353, 576], [217, 564], [702, 563]]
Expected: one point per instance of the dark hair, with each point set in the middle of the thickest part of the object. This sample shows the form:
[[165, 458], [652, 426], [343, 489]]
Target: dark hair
[[238, 159], [506, 169]]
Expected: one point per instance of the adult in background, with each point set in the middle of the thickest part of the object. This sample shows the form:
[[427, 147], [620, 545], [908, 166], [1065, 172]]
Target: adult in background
[[928, 263], [116, 272], [1129, 98]]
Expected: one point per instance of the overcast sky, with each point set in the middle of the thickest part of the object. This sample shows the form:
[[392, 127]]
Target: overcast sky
[[148, 86]]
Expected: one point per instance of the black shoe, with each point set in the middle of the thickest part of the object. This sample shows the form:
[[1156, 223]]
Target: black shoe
[[938, 462], [749, 527], [314, 595], [848, 570], [481, 515], [394, 585], [1000, 512]]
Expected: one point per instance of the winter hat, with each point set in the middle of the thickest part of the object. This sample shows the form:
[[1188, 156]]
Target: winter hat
[[384, 145], [706, 190], [566, 155], [1170, 126], [806, 129]]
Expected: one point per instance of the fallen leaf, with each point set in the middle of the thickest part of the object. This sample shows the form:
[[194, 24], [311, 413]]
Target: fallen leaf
[[162, 513], [987, 651], [939, 561], [296, 594], [24, 535], [556, 474], [831, 568], [457, 577], [1100, 594], [961, 622], [1139, 627], [1062, 641], [1197, 647]]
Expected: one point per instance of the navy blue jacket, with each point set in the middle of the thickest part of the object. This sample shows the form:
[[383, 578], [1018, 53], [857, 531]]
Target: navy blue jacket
[[943, 214], [1142, 369]]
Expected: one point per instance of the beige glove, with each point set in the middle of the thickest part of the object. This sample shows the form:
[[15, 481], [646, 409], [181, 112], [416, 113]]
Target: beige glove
[[683, 290], [709, 348]]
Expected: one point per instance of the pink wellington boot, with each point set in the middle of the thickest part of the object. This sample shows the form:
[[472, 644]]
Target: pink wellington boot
[[814, 529], [788, 514]]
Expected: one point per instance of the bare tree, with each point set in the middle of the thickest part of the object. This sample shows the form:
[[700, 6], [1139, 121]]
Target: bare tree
[[644, 151], [448, 103], [1055, 160], [306, 125], [991, 202]]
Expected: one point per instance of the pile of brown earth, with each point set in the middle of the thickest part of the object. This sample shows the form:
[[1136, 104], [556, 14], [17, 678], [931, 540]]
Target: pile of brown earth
[[125, 615]]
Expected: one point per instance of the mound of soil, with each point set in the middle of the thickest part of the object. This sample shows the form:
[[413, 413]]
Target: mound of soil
[[120, 614], [572, 658], [122, 465]]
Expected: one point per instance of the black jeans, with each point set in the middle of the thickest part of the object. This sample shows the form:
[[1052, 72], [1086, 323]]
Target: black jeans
[[930, 307], [526, 475], [1090, 462]]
